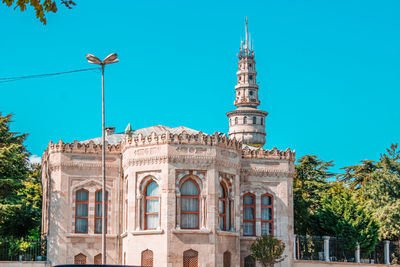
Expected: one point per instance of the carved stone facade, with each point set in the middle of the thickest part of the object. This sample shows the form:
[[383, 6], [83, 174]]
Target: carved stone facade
[[176, 197]]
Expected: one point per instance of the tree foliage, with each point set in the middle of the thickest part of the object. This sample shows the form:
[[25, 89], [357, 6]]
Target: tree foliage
[[268, 250], [340, 215], [41, 7], [309, 182], [20, 185]]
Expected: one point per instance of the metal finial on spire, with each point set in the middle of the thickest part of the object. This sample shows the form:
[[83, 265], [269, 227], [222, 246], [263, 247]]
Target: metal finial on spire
[[247, 46]]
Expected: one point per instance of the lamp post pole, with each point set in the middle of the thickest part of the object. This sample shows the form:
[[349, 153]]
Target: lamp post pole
[[104, 198], [103, 171]]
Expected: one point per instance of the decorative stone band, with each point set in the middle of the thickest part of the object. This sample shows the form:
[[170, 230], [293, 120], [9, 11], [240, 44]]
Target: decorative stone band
[[273, 154], [266, 173], [217, 139]]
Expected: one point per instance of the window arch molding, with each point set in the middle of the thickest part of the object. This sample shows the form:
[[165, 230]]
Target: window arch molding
[[249, 214], [225, 203], [149, 210], [201, 198], [144, 179]]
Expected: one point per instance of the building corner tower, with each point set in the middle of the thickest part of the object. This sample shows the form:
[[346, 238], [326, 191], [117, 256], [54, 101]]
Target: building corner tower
[[247, 122]]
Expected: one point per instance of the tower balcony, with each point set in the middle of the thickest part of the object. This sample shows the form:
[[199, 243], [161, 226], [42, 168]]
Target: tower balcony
[[246, 102]]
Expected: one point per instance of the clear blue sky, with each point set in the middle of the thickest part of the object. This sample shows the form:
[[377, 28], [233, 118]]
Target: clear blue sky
[[329, 71]]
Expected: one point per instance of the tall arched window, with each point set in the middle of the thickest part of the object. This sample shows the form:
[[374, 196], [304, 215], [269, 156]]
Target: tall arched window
[[81, 211], [99, 210], [267, 222], [80, 259], [245, 120], [147, 258], [222, 207], [262, 121], [236, 120], [190, 258], [254, 120], [249, 261], [249, 214], [152, 203], [227, 259], [190, 205]]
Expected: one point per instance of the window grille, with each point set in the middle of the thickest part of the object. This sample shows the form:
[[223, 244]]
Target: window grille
[[80, 259], [147, 258], [190, 258]]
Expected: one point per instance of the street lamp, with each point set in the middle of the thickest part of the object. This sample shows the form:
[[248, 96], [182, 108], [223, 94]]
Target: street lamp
[[112, 58]]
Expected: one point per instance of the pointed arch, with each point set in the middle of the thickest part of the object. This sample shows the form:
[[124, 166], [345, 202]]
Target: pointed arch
[[249, 261], [81, 210], [190, 204], [151, 205], [147, 258], [227, 259], [97, 259], [267, 214], [190, 258], [80, 259], [249, 214]]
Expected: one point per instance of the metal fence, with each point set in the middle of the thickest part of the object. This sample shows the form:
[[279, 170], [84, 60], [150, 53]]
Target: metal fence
[[22, 250], [318, 248]]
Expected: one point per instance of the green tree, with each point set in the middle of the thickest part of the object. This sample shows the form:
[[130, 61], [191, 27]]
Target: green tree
[[20, 189], [383, 201], [309, 182], [268, 250], [341, 215], [41, 7]]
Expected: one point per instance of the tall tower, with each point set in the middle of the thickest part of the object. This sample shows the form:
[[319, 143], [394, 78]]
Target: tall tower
[[247, 122]]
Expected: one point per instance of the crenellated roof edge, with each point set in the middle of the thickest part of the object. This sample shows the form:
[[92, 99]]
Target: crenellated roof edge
[[273, 154]]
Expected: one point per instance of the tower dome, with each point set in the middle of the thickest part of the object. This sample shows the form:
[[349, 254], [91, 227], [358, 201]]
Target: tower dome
[[247, 122]]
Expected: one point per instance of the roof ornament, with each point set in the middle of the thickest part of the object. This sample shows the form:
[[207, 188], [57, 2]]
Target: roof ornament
[[128, 129]]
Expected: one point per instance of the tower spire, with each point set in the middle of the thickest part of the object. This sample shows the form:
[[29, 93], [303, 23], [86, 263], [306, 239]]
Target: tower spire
[[247, 122]]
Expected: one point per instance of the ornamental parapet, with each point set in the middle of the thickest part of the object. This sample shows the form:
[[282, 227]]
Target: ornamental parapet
[[77, 147], [273, 154], [217, 139]]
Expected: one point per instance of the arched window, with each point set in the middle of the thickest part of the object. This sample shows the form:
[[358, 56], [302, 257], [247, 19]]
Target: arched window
[[262, 121], [80, 259], [81, 211], [236, 120], [97, 259], [222, 207], [147, 258], [152, 203], [190, 258], [245, 120], [227, 259], [249, 214], [267, 221], [254, 120], [190, 205], [249, 262], [98, 210]]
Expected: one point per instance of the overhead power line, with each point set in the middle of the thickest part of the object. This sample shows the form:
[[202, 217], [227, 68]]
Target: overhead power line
[[13, 79]]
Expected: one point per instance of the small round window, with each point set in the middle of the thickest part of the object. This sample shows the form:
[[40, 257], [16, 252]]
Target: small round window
[[251, 93], [251, 77]]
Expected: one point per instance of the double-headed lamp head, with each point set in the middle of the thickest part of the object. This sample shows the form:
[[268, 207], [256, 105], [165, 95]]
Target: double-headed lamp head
[[112, 58]]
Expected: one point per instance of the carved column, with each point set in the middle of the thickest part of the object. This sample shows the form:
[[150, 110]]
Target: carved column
[[178, 210], [139, 203], [203, 211]]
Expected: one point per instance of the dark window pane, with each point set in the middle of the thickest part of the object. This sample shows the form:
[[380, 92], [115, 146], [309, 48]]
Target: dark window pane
[[81, 210], [248, 200], [190, 204], [82, 195], [266, 200], [81, 225], [248, 213]]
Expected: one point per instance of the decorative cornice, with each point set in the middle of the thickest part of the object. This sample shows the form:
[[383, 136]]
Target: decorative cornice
[[217, 139], [273, 154], [77, 147]]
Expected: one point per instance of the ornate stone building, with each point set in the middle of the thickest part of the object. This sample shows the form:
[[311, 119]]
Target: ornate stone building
[[175, 196]]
